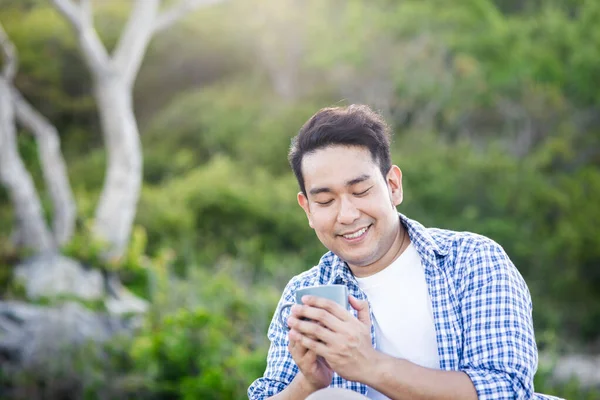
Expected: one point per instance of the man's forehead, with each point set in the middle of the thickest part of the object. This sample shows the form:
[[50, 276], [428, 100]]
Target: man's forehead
[[316, 189], [337, 157], [337, 168]]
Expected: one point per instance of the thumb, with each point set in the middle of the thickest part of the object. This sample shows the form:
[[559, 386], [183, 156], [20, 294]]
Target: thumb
[[362, 306]]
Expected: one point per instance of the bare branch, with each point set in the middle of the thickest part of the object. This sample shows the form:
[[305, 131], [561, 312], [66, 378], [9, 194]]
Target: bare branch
[[10, 56], [132, 45], [81, 18], [71, 12], [31, 226], [180, 10], [86, 11], [53, 167]]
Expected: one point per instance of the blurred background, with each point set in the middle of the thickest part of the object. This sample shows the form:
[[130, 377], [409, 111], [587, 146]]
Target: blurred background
[[146, 258]]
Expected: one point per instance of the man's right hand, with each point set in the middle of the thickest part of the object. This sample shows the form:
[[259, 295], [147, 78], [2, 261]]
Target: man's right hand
[[314, 374], [317, 373]]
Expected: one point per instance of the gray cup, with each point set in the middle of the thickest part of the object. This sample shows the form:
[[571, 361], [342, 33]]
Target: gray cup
[[337, 293]]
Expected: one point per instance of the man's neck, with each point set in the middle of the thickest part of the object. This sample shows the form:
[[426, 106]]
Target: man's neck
[[401, 242]]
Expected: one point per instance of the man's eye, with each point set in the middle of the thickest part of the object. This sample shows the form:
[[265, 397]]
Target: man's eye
[[364, 192], [324, 203]]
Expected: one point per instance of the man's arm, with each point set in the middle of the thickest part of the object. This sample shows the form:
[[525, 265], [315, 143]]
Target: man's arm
[[499, 350], [401, 379], [298, 389], [499, 354]]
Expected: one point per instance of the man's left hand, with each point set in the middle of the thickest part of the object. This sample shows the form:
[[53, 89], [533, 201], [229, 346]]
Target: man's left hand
[[335, 334]]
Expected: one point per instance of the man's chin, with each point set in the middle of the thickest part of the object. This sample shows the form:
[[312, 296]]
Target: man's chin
[[357, 262]]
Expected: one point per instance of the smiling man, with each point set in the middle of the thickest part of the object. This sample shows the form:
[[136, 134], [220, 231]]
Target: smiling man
[[436, 314]]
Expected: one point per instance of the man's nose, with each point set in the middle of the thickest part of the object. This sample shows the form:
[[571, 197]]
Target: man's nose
[[348, 213]]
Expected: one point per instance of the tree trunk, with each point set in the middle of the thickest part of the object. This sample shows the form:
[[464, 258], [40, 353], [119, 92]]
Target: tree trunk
[[118, 201], [31, 225], [53, 168], [114, 76]]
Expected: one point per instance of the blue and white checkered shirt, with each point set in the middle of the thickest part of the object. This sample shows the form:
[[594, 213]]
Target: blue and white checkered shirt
[[481, 309]]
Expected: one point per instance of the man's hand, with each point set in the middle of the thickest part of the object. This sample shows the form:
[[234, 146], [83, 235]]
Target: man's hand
[[333, 333], [316, 372]]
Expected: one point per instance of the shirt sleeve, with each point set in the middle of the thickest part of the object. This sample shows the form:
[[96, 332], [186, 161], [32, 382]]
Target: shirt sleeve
[[281, 368], [499, 349]]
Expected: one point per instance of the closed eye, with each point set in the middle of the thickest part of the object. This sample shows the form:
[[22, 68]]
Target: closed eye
[[363, 192], [324, 203]]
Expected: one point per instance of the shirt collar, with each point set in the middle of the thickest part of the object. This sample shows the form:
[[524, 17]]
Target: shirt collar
[[425, 244], [422, 238]]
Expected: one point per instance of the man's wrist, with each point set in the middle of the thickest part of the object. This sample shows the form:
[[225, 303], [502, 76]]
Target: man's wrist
[[378, 369], [305, 385], [299, 389]]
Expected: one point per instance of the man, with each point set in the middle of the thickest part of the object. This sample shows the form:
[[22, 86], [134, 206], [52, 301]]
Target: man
[[435, 314]]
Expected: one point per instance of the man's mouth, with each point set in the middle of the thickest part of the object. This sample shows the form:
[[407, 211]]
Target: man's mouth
[[356, 234]]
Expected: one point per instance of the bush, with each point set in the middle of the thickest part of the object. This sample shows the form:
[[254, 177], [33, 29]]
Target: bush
[[204, 337], [221, 209]]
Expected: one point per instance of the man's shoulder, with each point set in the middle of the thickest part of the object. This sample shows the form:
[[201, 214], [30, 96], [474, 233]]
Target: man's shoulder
[[472, 260], [448, 242], [464, 242], [461, 253]]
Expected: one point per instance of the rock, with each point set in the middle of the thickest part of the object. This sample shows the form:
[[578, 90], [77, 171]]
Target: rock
[[121, 301], [51, 276], [37, 335], [585, 368], [126, 303], [61, 346], [56, 275]]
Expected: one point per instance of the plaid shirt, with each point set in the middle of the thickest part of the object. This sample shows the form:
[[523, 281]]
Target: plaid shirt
[[481, 308]]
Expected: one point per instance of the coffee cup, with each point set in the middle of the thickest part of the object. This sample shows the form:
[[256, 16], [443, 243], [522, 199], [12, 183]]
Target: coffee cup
[[336, 293]]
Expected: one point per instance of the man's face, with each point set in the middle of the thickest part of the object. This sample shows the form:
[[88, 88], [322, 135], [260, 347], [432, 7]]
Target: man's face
[[351, 206]]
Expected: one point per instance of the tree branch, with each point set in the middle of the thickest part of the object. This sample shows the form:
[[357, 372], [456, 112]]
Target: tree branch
[[81, 18], [9, 55], [132, 45], [180, 10], [53, 167], [71, 12], [31, 228]]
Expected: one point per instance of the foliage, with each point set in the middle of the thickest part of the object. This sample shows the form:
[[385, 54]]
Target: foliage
[[204, 351], [219, 210], [204, 337]]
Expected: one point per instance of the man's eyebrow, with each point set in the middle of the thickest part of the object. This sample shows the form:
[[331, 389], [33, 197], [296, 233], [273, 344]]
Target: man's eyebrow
[[362, 178], [316, 191]]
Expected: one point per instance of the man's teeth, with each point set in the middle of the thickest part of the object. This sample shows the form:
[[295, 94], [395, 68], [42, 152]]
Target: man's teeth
[[356, 234]]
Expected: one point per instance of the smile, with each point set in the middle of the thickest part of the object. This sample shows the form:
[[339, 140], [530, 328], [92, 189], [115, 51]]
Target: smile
[[357, 234]]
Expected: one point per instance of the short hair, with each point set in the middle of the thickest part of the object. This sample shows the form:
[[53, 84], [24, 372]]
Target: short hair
[[354, 125]]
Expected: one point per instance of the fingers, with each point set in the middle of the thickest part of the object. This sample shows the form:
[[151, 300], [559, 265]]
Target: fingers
[[312, 346], [296, 349], [303, 356], [362, 307], [330, 306], [315, 315], [312, 329]]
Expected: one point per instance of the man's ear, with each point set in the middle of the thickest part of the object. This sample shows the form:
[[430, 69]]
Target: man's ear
[[303, 201], [394, 182]]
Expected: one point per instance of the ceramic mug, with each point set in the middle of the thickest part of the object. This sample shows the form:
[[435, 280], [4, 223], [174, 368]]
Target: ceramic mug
[[337, 293]]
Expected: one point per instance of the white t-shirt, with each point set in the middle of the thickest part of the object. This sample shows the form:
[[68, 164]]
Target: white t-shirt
[[401, 306]]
